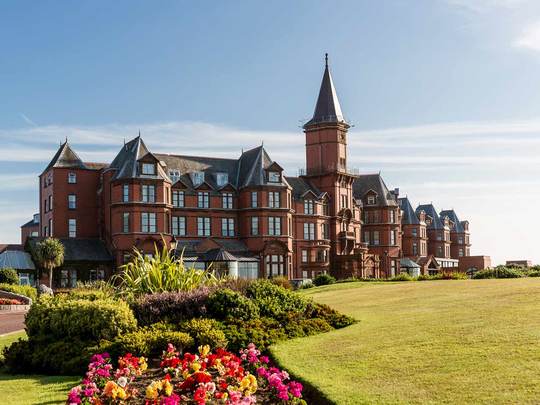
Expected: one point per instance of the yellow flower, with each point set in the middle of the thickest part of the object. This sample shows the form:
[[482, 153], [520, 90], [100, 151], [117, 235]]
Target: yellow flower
[[151, 392], [204, 350], [167, 387], [121, 393], [110, 389], [196, 367], [142, 364]]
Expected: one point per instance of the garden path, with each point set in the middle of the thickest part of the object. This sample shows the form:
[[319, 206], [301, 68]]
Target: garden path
[[11, 321]]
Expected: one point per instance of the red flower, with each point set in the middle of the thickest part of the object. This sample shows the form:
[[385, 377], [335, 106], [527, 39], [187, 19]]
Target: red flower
[[200, 396]]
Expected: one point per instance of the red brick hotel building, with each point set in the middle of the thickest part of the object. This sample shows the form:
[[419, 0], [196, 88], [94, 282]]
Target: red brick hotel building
[[245, 215]]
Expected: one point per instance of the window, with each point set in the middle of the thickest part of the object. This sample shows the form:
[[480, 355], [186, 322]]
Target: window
[[68, 278], [461, 253], [273, 177], [248, 270], [393, 268], [148, 222], [366, 237], [197, 178], [227, 199], [96, 275], [222, 179], [304, 256], [309, 231], [178, 198], [125, 193], [273, 199], [148, 169], [203, 199], [393, 237], [376, 237], [50, 228], [439, 251], [254, 202], [460, 240], [414, 232], [203, 226], [148, 193], [72, 228], [371, 200], [45, 205], [72, 201], [344, 201], [174, 175], [125, 222], [324, 231], [227, 226], [50, 202], [392, 216], [254, 226], [274, 226], [322, 256], [274, 265], [308, 207], [179, 226], [72, 178]]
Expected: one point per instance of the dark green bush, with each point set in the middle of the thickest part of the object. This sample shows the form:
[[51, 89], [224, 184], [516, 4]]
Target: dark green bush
[[424, 277], [262, 332], [87, 294], [274, 301], [324, 279], [498, 272], [25, 290], [534, 273], [9, 276], [228, 303], [61, 318], [205, 332], [296, 325], [402, 277], [334, 318]]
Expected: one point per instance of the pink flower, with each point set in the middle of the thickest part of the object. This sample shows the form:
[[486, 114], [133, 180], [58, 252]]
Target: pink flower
[[262, 372], [274, 380], [264, 359], [295, 388]]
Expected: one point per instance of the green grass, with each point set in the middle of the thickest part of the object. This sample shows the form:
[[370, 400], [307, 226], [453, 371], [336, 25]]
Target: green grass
[[467, 341], [32, 389]]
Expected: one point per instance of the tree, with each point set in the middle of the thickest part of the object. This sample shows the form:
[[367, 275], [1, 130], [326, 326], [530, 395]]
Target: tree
[[50, 254]]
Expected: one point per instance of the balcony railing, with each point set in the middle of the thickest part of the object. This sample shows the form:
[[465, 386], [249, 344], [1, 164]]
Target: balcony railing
[[329, 169]]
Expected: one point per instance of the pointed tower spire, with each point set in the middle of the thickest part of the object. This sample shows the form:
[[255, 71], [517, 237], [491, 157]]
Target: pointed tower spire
[[327, 109]]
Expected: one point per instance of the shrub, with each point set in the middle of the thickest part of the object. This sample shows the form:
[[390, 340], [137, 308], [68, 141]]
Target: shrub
[[498, 272], [228, 303], [534, 273], [451, 275], [295, 325], [205, 332], [324, 279], [402, 277], [274, 301], [61, 318], [282, 282], [87, 294], [9, 276], [330, 315], [25, 290], [306, 285], [424, 277], [147, 342], [171, 307], [162, 272], [262, 332]]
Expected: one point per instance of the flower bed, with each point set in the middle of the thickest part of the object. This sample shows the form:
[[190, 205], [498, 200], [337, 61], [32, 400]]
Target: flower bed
[[204, 378]]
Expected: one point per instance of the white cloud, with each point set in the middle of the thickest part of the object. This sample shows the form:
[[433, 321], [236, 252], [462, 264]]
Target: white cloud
[[529, 38], [482, 6]]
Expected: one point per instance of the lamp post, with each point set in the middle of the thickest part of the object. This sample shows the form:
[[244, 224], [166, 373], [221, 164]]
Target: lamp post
[[174, 244]]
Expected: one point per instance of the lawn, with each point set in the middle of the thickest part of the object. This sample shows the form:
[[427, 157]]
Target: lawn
[[468, 341], [35, 389]]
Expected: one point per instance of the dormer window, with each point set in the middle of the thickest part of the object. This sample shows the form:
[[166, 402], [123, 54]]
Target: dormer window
[[174, 174], [72, 178], [148, 169], [222, 179], [197, 178], [371, 199], [274, 177]]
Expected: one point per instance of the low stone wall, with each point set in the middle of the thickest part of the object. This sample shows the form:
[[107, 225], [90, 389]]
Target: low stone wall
[[24, 299], [14, 307]]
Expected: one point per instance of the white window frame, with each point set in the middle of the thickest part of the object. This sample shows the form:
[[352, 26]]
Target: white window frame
[[254, 228], [178, 226], [125, 222], [203, 226], [72, 178], [203, 199], [72, 227], [148, 222], [274, 199], [145, 169], [227, 200], [227, 226], [148, 193], [274, 226], [72, 201]]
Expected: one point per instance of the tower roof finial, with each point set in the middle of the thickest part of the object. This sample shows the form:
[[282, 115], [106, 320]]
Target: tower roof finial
[[326, 59]]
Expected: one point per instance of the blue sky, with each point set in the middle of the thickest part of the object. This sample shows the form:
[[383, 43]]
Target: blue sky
[[444, 94]]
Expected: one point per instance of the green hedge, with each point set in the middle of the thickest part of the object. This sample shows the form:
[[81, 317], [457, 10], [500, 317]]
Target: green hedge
[[9, 276], [25, 290], [274, 301], [228, 303]]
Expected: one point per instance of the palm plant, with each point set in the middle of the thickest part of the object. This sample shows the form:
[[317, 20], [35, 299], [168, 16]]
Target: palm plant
[[50, 255], [162, 272]]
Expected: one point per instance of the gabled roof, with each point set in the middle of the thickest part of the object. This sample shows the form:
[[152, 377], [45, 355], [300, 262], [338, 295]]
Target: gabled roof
[[65, 157], [327, 109], [409, 216], [452, 216], [301, 187], [430, 211], [16, 259], [252, 166], [408, 263], [373, 182]]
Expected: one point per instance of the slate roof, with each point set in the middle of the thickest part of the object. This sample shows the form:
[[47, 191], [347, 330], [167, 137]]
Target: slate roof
[[10, 246], [327, 109], [80, 249], [233, 249], [16, 259], [66, 157], [301, 187], [430, 211], [409, 216], [451, 214], [408, 263], [366, 182], [126, 162]]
